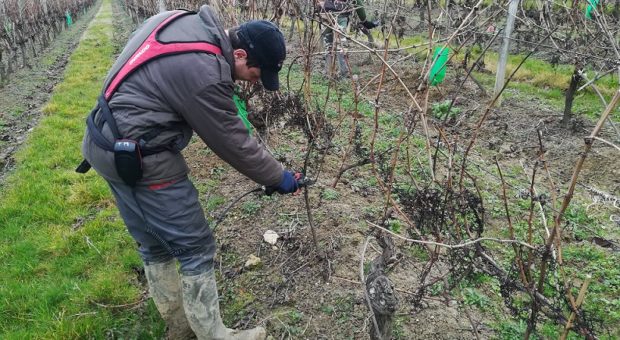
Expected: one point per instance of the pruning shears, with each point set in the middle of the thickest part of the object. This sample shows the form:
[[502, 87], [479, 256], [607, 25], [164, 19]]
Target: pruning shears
[[302, 181]]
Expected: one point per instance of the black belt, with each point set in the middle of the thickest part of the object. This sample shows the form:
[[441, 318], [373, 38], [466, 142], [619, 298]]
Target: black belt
[[95, 131]]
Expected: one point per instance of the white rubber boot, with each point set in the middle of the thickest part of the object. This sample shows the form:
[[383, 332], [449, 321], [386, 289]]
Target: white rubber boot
[[343, 67], [165, 289], [330, 67], [203, 311]]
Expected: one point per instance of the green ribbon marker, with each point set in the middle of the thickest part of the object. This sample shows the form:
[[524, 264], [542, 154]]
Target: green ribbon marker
[[591, 5], [242, 111], [438, 72], [69, 20]]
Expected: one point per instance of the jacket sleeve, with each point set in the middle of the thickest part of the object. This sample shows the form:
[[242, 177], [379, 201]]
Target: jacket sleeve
[[359, 9], [212, 113]]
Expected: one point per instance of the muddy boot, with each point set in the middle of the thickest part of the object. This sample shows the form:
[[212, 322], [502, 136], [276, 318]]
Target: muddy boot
[[342, 65], [165, 289], [330, 72], [203, 311]]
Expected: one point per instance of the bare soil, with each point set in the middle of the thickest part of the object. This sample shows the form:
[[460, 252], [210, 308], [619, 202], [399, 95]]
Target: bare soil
[[291, 279]]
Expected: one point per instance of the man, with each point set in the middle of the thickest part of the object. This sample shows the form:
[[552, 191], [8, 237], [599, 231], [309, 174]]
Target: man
[[176, 74], [337, 13]]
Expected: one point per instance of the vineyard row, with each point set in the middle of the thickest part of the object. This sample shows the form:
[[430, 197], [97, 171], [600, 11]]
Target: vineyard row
[[29, 26]]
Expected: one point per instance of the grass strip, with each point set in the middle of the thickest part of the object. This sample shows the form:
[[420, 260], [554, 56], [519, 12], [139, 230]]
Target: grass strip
[[69, 266], [536, 77]]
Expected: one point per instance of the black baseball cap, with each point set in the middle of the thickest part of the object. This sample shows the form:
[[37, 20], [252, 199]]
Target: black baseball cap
[[265, 44]]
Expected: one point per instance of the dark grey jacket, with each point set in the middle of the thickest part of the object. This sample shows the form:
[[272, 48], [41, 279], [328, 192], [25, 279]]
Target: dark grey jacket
[[177, 94]]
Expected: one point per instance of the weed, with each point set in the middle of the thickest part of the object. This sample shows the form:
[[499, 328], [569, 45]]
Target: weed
[[290, 322], [472, 297], [250, 208], [480, 278], [215, 201], [344, 308], [217, 171], [230, 258], [443, 110], [295, 316], [579, 221], [17, 111], [604, 290], [372, 211], [331, 114], [235, 301], [271, 198], [436, 289], [398, 330], [327, 309], [330, 194], [395, 225], [511, 330], [367, 267], [418, 252], [203, 151]]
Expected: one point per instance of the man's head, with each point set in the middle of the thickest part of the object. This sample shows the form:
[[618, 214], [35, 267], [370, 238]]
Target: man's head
[[259, 51]]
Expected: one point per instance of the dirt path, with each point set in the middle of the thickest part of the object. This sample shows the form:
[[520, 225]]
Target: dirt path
[[22, 99]]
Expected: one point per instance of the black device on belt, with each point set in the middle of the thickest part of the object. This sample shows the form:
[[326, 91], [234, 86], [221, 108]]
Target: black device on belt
[[128, 160]]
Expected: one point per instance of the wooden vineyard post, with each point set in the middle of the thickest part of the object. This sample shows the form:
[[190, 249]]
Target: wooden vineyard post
[[503, 54]]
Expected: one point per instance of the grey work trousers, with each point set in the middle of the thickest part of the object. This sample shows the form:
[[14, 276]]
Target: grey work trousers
[[328, 33], [167, 221]]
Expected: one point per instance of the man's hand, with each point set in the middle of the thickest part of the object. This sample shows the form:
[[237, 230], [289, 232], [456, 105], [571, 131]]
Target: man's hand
[[288, 185]]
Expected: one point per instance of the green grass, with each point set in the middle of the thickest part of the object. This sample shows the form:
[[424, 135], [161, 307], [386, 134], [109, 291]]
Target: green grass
[[535, 78], [603, 296], [67, 260], [539, 79]]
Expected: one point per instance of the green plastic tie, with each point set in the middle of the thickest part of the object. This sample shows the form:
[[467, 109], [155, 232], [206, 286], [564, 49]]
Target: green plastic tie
[[68, 17], [438, 72], [591, 5]]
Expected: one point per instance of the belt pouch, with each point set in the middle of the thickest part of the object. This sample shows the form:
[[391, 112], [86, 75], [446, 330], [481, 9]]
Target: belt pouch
[[128, 161]]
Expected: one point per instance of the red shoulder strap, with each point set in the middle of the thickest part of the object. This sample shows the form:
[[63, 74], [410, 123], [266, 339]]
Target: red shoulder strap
[[151, 48]]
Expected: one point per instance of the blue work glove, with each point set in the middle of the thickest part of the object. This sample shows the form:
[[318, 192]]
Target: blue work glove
[[288, 184]]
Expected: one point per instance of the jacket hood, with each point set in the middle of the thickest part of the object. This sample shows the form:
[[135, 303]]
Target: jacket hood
[[214, 27]]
